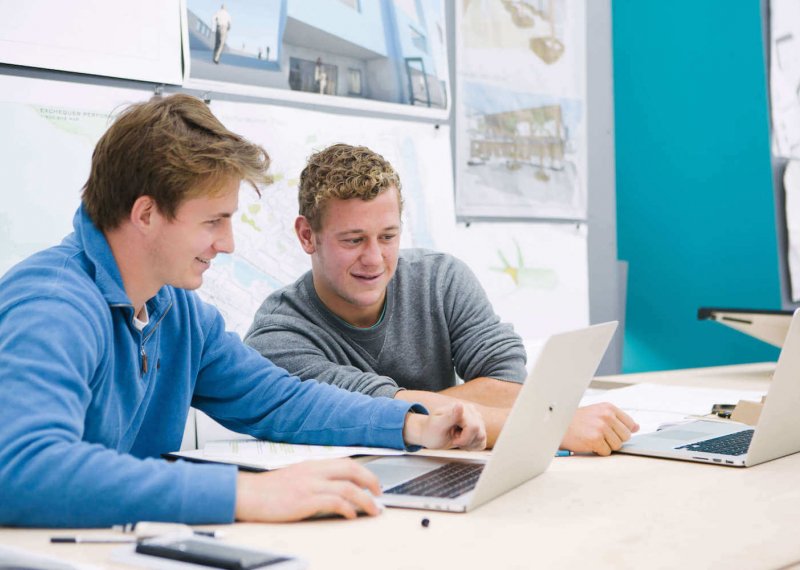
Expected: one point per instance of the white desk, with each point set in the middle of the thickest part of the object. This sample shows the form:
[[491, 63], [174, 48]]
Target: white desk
[[584, 512]]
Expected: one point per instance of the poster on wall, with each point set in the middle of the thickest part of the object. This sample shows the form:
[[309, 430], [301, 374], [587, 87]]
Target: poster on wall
[[388, 56], [268, 254], [791, 185], [45, 170], [521, 109], [784, 77], [112, 39], [536, 275]]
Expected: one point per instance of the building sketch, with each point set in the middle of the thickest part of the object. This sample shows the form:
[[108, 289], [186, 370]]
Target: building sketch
[[524, 14], [535, 136], [520, 116], [384, 50]]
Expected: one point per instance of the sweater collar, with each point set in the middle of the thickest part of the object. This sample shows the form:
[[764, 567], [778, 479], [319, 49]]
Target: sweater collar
[[106, 271], [330, 316]]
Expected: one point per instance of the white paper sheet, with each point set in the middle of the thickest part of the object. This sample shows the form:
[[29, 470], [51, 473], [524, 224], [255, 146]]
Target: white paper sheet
[[521, 110], [50, 129], [140, 41], [263, 454], [535, 275], [653, 405], [791, 187], [785, 77]]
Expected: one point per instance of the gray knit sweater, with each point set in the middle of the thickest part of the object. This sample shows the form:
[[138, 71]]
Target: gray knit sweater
[[437, 323]]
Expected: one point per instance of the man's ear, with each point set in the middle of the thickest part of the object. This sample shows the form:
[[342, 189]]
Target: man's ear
[[305, 234], [142, 213]]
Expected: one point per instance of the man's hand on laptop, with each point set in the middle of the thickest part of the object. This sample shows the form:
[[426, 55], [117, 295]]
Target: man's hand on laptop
[[313, 488], [457, 424], [599, 428]]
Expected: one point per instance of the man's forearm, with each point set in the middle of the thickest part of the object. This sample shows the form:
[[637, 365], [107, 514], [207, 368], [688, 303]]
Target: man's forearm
[[486, 392]]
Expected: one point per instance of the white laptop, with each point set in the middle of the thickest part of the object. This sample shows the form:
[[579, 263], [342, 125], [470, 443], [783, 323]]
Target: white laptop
[[526, 446], [734, 444]]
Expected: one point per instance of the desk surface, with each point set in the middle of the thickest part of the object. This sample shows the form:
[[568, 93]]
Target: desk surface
[[587, 512]]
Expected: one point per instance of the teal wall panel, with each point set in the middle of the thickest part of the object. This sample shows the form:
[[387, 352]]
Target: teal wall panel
[[695, 207]]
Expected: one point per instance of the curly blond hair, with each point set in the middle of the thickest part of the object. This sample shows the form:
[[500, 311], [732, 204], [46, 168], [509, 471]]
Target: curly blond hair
[[343, 171]]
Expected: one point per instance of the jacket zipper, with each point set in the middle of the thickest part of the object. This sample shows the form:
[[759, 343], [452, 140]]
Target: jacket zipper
[[144, 338], [142, 352]]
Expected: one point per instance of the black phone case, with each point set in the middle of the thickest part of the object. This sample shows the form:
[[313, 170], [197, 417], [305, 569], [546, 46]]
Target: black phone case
[[226, 559]]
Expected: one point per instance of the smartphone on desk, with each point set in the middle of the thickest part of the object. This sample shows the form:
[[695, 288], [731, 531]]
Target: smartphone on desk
[[210, 553]]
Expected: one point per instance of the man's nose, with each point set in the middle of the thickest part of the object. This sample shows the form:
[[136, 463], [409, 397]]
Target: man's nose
[[224, 243]]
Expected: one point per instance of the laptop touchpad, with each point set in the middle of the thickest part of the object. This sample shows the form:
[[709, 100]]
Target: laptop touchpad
[[395, 470], [680, 434]]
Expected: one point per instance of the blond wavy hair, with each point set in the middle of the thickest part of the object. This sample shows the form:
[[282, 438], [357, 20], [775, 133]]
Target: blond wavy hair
[[343, 172]]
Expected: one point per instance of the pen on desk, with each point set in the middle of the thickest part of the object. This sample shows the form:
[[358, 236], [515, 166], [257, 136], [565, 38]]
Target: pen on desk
[[564, 453], [91, 539], [125, 538]]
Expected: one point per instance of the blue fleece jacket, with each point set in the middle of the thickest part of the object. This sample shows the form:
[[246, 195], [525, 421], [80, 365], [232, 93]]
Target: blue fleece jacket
[[88, 402]]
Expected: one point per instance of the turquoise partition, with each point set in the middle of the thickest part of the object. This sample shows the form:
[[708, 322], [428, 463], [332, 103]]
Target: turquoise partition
[[695, 206]]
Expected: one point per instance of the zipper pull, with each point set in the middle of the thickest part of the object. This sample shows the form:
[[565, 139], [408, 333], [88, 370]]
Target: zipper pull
[[144, 361]]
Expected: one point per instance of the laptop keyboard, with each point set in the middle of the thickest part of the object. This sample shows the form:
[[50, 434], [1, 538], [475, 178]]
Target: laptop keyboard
[[732, 444], [448, 481]]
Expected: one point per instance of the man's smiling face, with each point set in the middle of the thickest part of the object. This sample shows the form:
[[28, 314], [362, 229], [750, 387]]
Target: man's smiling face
[[181, 249], [354, 254]]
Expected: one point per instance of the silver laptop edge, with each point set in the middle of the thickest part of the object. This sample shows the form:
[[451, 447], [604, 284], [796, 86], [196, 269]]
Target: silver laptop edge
[[776, 434], [778, 430], [537, 422]]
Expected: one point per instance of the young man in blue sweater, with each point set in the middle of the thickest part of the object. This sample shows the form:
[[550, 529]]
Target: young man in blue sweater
[[103, 348]]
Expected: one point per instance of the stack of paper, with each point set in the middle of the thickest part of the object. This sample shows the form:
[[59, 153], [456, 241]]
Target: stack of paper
[[262, 454], [653, 405]]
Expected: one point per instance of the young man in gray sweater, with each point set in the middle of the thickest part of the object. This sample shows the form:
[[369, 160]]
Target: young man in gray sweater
[[373, 319]]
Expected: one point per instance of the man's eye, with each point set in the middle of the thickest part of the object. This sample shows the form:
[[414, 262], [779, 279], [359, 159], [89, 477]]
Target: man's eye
[[389, 237], [214, 222]]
